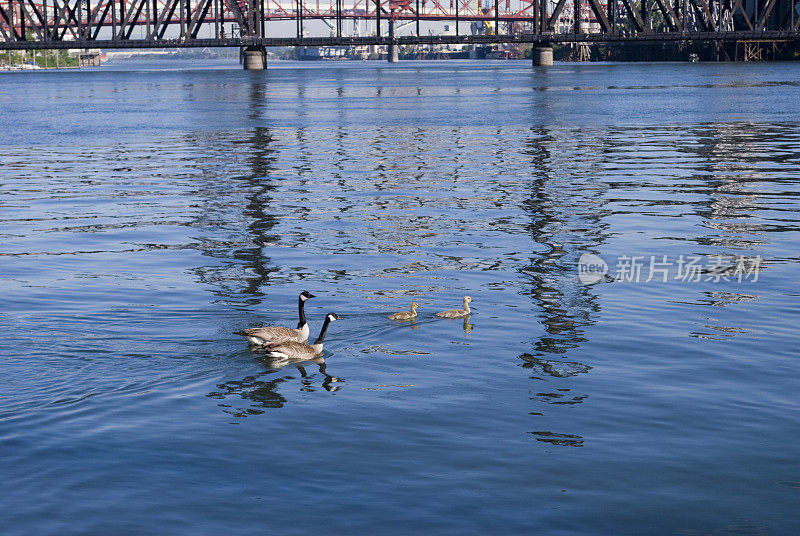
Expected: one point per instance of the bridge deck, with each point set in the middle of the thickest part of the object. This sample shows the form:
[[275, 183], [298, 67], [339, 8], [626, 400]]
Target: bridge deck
[[408, 40]]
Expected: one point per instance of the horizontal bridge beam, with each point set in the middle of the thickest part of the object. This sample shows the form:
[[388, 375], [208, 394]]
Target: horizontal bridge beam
[[543, 39]]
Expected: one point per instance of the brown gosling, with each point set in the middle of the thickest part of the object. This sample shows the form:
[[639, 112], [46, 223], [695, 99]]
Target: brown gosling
[[457, 313], [406, 315]]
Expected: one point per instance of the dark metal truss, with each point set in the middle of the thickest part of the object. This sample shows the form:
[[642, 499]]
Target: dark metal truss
[[36, 24]]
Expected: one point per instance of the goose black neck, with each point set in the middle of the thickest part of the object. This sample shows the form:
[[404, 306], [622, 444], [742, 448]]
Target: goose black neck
[[302, 309], [321, 337]]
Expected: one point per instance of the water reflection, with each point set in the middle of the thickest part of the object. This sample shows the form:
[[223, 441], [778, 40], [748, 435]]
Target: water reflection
[[261, 390], [411, 323], [734, 177], [467, 326], [260, 218], [553, 367], [565, 221], [259, 187], [390, 199], [560, 440], [244, 272], [261, 393], [731, 160]]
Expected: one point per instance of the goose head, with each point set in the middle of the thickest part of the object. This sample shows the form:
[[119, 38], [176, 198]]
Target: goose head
[[467, 299], [414, 305], [306, 295], [330, 317]]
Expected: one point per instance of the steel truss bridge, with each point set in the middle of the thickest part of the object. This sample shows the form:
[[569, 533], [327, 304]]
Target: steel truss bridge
[[108, 24]]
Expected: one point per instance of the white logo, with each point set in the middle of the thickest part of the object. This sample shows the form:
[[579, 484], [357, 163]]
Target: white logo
[[591, 268]]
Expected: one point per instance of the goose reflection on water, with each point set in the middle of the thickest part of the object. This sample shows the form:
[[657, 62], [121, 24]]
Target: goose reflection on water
[[261, 389], [328, 383], [467, 326], [412, 322]]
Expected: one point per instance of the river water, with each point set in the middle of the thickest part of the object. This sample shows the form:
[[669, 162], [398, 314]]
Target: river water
[[148, 210]]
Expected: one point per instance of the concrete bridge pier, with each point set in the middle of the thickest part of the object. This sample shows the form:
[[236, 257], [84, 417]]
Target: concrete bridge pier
[[254, 58], [393, 56], [542, 56]]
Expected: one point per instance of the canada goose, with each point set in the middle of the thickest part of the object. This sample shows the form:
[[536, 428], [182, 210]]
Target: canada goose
[[300, 350], [457, 313], [406, 315], [275, 334]]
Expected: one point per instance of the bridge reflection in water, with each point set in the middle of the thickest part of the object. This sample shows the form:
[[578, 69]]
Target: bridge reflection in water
[[567, 218]]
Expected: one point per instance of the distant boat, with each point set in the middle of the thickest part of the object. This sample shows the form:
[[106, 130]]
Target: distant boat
[[499, 54]]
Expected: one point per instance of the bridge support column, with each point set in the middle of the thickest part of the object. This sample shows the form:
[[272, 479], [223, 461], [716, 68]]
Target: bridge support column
[[393, 55], [254, 58], [542, 56]]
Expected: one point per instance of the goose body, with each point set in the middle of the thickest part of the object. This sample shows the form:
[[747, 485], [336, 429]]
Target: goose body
[[275, 334], [300, 350], [406, 315], [457, 313]]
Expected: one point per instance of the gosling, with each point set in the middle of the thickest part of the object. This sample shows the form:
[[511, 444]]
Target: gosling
[[406, 315], [457, 313]]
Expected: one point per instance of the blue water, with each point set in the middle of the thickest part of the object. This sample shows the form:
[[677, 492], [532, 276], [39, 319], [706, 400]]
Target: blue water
[[148, 210]]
